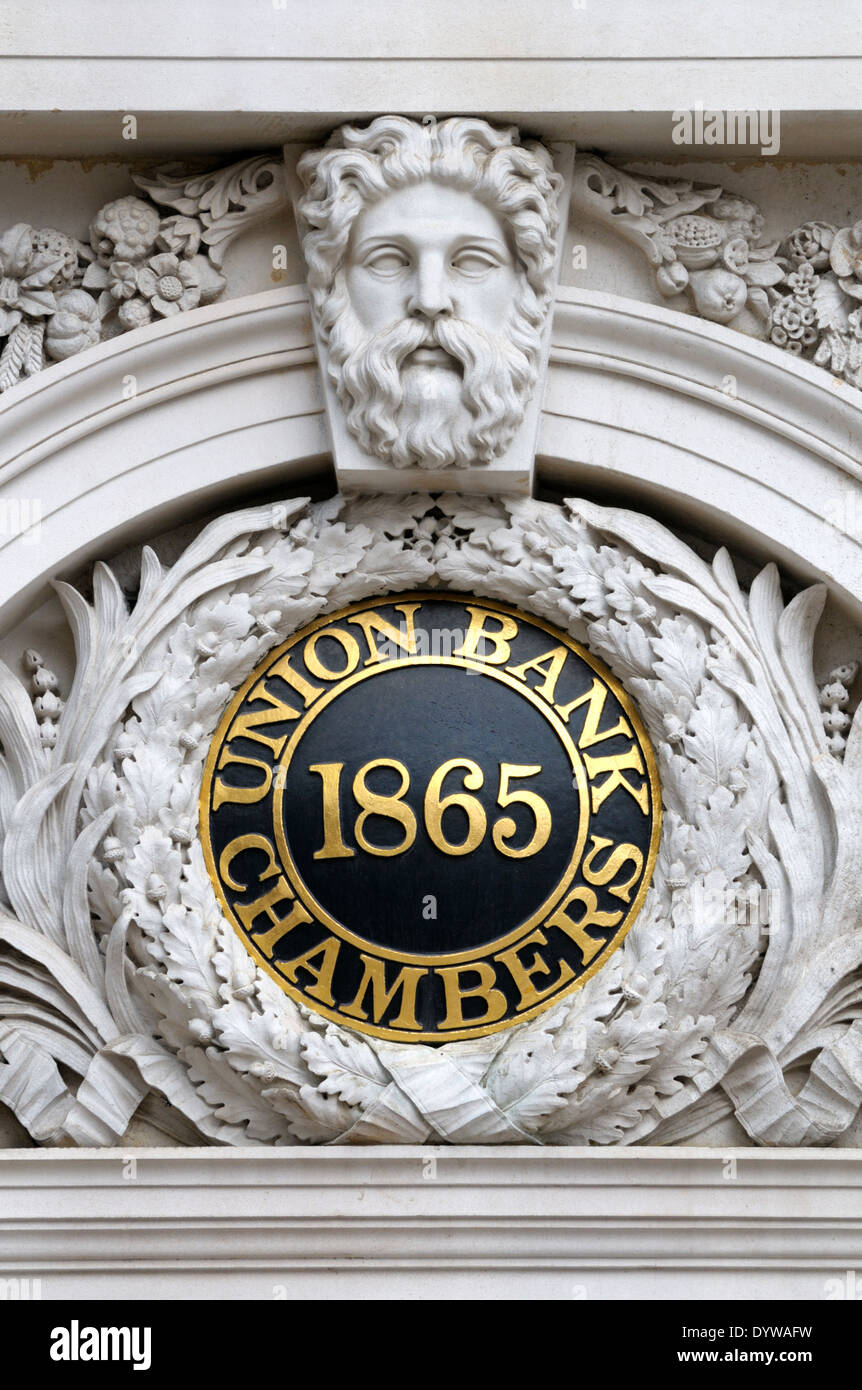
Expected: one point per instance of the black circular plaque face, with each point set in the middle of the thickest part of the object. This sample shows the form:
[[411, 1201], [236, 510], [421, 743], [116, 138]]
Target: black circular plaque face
[[431, 816]]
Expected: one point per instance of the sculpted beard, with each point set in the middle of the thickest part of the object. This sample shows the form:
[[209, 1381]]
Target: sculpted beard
[[429, 416]]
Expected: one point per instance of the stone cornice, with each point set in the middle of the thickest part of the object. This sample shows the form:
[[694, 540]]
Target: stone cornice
[[626, 76], [561, 1223]]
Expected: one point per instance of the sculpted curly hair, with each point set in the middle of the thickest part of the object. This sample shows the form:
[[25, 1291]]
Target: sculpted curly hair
[[360, 165], [385, 409]]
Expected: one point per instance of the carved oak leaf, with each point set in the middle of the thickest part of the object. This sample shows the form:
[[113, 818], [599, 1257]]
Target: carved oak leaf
[[348, 1066], [187, 943], [149, 777], [263, 1043], [715, 739], [635, 653], [681, 1049], [312, 1116], [680, 653], [234, 1099], [531, 1078]]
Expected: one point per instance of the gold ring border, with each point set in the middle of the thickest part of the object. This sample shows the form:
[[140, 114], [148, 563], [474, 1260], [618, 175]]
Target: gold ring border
[[594, 662]]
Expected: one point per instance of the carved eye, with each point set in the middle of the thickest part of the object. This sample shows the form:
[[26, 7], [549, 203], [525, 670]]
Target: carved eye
[[386, 261], [473, 261]]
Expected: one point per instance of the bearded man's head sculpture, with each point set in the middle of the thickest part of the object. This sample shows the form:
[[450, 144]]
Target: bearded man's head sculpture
[[431, 250]]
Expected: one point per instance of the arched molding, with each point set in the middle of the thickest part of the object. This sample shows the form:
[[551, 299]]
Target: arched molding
[[710, 427], [144, 431], [691, 419]]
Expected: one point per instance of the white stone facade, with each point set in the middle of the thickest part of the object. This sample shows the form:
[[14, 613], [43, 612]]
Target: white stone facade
[[696, 377]]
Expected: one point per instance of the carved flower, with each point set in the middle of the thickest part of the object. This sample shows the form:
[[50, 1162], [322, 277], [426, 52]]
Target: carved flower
[[76, 325], [23, 284], [124, 230], [845, 258], [135, 313], [180, 235], [810, 244], [793, 325], [122, 279], [719, 295], [803, 280], [743, 216], [170, 284]]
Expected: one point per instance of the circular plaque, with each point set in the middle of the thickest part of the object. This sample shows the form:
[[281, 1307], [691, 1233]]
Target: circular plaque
[[431, 816]]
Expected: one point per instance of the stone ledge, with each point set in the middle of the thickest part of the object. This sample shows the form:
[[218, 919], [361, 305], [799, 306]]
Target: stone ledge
[[490, 1223]]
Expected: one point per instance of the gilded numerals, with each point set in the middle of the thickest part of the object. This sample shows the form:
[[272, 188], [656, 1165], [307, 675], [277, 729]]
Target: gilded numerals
[[393, 807]]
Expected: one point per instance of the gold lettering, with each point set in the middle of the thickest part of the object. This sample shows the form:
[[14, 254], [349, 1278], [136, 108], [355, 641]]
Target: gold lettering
[[596, 696], [477, 631], [237, 846], [246, 725], [322, 987], [618, 856], [372, 622], [223, 791], [587, 945], [347, 642], [406, 980], [522, 973], [263, 907], [283, 670], [556, 657], [613, 767], [495, 999]]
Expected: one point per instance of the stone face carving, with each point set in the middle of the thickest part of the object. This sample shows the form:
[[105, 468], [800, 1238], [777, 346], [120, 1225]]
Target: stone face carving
[[803, 294], [59, 295], [120, 976], [431, 251]]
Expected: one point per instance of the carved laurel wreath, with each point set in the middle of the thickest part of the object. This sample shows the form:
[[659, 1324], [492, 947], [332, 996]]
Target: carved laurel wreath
[[121, 982]]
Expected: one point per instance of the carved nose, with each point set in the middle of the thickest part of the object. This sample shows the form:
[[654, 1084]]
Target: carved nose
[[430, 298]]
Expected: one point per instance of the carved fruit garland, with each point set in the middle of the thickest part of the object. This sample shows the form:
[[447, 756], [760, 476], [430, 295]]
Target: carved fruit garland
[[803, 294], [117, 968], [61, 296]]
